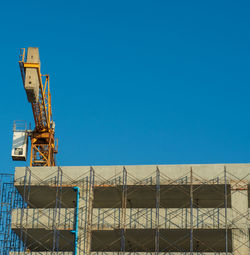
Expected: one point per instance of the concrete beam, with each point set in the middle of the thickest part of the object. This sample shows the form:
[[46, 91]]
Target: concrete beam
[[171, 218], [139, 174], [136, 218], [62, 219]]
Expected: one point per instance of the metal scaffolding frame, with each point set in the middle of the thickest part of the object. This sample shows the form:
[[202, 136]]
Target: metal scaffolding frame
[[26, 221], [183, 218], [197, 215], [9, 199], [124, 207]]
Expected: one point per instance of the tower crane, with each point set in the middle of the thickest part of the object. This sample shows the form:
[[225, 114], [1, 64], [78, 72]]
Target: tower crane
[[44, 146]]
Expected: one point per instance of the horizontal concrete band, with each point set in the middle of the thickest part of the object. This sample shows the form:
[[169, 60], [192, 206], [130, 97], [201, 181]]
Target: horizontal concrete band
[[171, 218], [111, 218], [137, 174], [43, 218]]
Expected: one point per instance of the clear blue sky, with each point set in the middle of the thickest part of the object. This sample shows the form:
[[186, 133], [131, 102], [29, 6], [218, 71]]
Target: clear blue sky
[[133, 82]]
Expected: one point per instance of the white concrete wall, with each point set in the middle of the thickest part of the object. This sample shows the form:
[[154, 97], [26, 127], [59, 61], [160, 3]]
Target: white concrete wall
[[171, 218], [139, 174], [136, 218]]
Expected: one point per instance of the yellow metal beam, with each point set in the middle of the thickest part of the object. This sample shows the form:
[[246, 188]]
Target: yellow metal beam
[[31, 65], [43, 147]]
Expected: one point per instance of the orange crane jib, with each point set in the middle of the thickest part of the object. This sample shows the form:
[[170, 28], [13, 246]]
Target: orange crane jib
[[44, 146]]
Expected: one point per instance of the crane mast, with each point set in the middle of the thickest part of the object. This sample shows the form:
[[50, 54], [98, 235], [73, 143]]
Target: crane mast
[[37, 86]]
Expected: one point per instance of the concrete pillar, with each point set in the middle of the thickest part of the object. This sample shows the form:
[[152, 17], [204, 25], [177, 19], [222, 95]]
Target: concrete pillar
[[240, 234]]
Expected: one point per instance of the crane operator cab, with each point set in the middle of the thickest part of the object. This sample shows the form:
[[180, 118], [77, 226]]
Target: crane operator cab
[[20, 141]]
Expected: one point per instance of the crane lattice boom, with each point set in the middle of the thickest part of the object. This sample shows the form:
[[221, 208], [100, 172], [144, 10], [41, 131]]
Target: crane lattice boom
[[37, 87]]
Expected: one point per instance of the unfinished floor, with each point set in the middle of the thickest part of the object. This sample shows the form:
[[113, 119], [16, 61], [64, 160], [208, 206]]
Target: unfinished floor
[[143, 209]]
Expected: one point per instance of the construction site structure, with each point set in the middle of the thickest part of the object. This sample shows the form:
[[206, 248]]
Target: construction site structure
[[37, 87], [133, 210]]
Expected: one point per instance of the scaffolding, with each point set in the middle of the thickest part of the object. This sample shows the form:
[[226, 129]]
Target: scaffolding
[[123, 213], [9, 199]]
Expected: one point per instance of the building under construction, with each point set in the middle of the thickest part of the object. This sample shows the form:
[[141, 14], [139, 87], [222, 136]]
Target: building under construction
[[106, 210], [143, 209]]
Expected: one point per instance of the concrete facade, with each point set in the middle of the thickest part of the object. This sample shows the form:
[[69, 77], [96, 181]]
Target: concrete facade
[[168, 209]]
